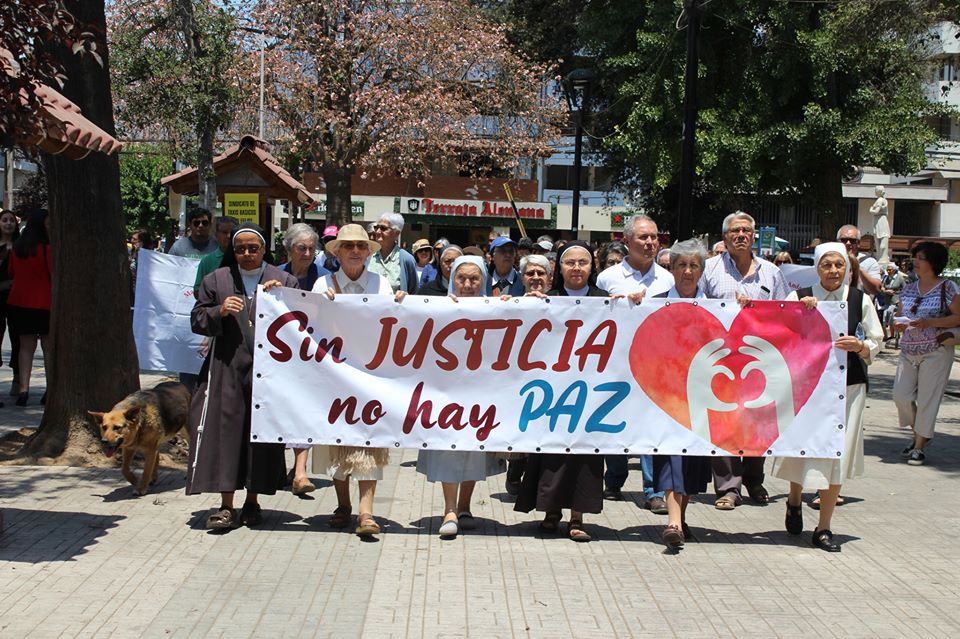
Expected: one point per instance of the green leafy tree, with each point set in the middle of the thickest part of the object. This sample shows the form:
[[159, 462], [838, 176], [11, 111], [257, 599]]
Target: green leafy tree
[[792, 95], [175, 76], [144, 199]]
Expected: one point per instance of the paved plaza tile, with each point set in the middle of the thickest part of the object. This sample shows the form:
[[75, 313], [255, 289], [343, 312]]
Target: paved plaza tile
[[82, 557]]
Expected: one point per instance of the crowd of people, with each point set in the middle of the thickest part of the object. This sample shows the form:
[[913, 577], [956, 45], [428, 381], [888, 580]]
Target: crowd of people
[[913, 304]]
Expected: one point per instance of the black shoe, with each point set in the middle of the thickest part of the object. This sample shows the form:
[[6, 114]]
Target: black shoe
[[794, 520], [613, 494], [22, 399], [251, 515], [823, 539]]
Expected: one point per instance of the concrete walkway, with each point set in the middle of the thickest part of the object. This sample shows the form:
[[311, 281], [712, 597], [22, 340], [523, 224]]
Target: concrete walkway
[[81, 557]]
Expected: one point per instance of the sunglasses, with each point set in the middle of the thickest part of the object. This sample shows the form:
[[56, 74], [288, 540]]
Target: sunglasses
[[381, 227], [353, 246], [244, 249], [848, 240], [535, 273], [200, 223]]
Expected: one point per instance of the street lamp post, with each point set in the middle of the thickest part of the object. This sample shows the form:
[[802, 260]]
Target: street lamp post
[[578, 87]]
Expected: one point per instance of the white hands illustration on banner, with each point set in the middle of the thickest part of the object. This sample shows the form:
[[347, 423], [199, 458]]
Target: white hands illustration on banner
[[777, 389], [700, 395]]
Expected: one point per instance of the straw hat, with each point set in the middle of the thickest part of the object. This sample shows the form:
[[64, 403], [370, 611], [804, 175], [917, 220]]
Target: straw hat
[[352, 233], [421, 244]]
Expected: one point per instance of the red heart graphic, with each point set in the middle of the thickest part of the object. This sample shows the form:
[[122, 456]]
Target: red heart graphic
[[661, 366]]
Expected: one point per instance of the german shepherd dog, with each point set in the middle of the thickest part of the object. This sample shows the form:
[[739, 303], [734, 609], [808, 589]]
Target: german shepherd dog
[[140, 423]]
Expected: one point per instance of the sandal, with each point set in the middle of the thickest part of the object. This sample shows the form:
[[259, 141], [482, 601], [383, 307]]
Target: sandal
[[726, 502], [551, 522], [340, 517], [758, 494], [794, 519], [251, 515], [367, 525], [223, 519], [576, 532], [672, 536], [815, 502]]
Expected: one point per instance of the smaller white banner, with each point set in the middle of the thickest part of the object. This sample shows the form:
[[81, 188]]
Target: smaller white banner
[[799, 275], [161, 314]]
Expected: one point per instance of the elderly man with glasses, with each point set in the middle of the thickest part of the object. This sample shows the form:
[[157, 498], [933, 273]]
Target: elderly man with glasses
[[391, 261], [866, 265], [737, 273]]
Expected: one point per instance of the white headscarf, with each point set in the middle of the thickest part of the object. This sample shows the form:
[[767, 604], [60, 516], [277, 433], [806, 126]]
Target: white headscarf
[[467, 259], [832, 247]]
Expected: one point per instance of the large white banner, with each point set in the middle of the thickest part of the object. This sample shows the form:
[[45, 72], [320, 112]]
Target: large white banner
[[581, 375], [161, 314]]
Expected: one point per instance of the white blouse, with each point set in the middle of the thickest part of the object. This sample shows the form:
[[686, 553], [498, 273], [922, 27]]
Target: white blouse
[[369, 282]]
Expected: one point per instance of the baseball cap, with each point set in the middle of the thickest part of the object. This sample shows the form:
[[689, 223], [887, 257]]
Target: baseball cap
[[503, 240], [546, 245], [330, 231]]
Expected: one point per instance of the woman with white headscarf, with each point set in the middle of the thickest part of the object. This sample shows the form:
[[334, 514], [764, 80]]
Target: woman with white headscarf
[[459, 471], [861, 342]]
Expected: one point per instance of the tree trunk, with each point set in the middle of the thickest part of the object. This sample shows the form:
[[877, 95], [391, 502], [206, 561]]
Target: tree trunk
[[205, 174], [339, 183], [830, 201], [93, 360]]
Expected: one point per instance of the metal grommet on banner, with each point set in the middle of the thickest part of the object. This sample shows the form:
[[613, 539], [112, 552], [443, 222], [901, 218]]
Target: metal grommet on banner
[[482, 447], [654, 450], [696, 303], [259, 345], [568, 450], [509, 448], [424, 444], [259, 375], [256, 405], [538, 449], [261, 316], [839, 426], [452, 446], [626, 450], [713, 452], [486, 301], [301, 295], [667, 304], [838, 453], [841, 397], [751, 305], [741, 452], [802, 453], [684, 451], [279, 439], [516, 300], [426, 300], [842, 366], [338, 441], [367, 444], [396, 444], [842, 305], [547, 300], [578, 301], [596, 450], [723, 304], [605, 302], [254, 437], [364, 299], [309, 440], [783, 305]]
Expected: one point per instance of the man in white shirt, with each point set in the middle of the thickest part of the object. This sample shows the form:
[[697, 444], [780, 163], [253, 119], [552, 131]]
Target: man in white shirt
[[639, 272], [870, 271]]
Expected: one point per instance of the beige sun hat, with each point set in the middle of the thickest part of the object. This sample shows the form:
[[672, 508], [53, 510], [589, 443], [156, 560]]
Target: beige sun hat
[[352, 233]]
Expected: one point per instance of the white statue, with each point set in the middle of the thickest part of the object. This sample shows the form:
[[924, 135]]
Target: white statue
[[881, 227]]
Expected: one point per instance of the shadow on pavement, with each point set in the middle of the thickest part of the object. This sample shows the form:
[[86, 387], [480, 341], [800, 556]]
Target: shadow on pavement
[[34, 536]]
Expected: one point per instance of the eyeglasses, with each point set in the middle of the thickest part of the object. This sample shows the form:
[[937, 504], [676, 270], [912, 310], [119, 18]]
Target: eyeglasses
[[381, 227], [849, 240], [243, 249], [449, 261], [573, 263], [353, 246], [200, 223], [304, 248], [535, 273], [740, 231]]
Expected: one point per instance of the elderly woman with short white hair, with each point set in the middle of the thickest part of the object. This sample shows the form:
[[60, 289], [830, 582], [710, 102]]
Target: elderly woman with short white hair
[[300, 242], [861, 342], [365, 465], [535, 273]]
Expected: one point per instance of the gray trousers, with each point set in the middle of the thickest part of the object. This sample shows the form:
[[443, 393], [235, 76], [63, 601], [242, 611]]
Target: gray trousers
[[918, 388], [730, 473]]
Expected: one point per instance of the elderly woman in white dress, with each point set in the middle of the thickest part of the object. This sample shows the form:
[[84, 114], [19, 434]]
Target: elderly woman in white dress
[[352, 248], [861, 342], [459, 471]]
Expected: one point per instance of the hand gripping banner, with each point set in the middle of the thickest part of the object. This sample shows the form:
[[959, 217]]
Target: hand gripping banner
[[564, 375]]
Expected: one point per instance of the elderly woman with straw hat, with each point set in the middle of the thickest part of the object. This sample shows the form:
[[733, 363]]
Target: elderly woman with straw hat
[[352, 248], [861, 342], [222, 458]]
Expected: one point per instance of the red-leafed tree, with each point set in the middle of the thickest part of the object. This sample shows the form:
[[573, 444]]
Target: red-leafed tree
[[383, 86]]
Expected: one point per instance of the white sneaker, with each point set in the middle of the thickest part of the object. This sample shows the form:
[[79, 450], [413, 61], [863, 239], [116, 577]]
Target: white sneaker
[[916, 457]]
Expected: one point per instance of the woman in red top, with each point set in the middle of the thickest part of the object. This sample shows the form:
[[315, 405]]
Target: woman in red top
[[9, 233], [28, 305]]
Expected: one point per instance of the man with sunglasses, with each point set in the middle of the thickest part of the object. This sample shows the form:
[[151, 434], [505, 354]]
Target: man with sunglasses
[[870, 272], [391, 261], [198, 241]]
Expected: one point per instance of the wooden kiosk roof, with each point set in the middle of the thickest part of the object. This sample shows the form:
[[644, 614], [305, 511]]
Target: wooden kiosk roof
[[248, 166]]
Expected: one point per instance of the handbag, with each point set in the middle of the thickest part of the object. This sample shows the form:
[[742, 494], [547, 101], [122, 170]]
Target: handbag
[[946, 336]]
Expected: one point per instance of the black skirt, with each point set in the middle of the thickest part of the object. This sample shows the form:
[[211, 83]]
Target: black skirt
[[554, 482], [685, 475], [29, 321]]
